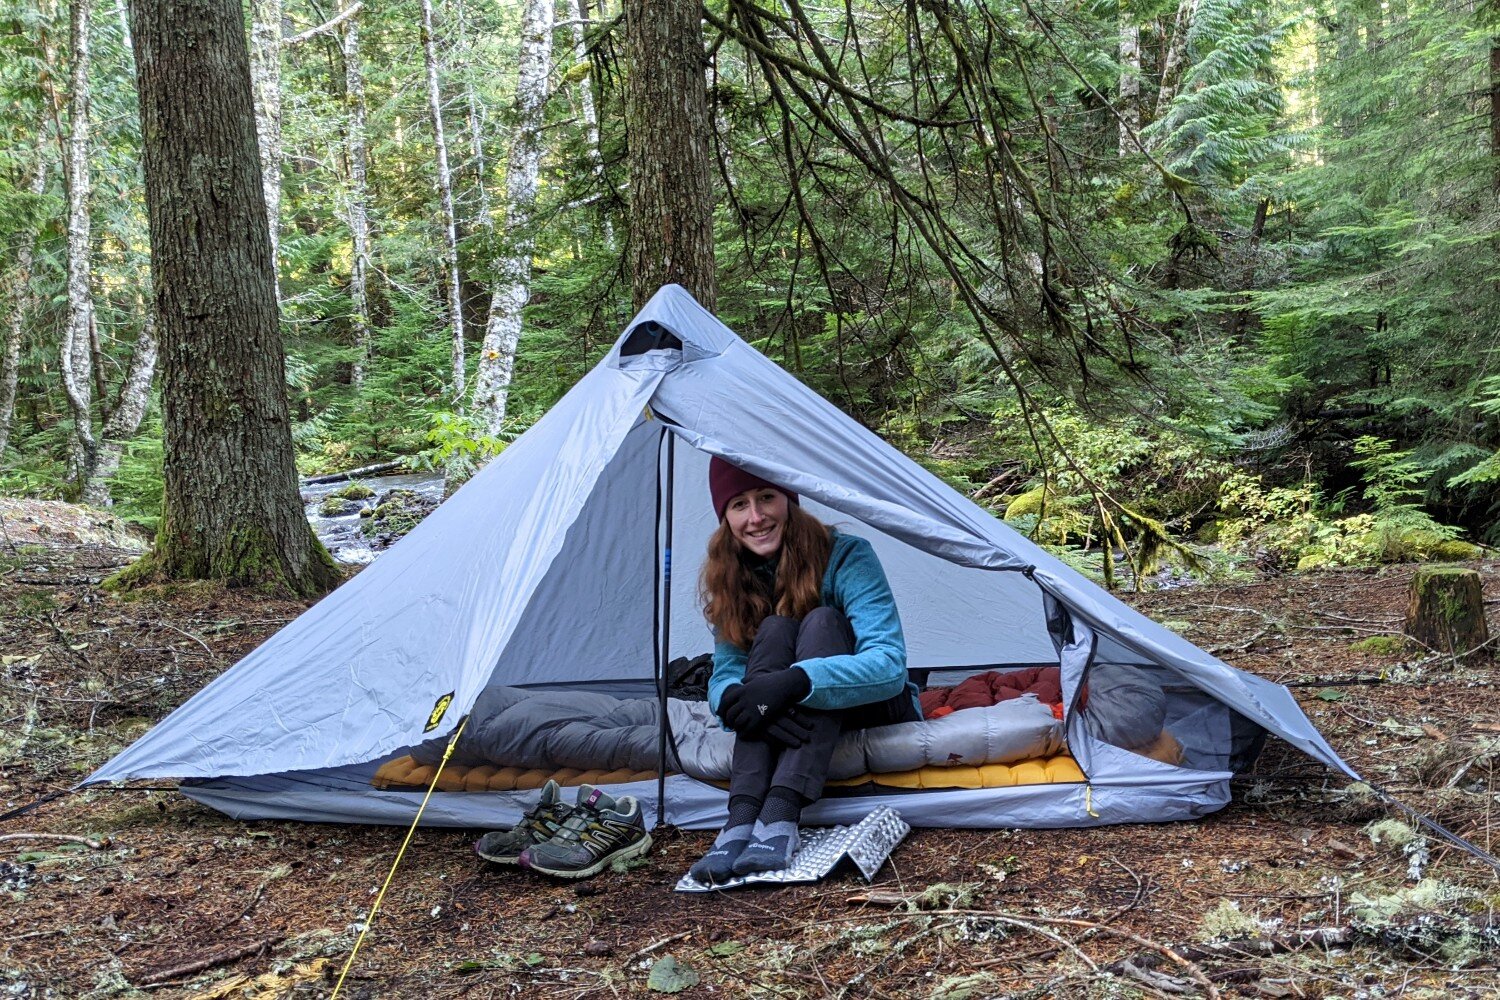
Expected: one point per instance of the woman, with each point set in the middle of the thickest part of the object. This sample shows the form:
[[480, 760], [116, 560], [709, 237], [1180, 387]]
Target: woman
[[807, 644]]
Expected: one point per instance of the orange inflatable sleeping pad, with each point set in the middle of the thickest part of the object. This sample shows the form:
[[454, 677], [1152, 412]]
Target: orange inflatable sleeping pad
[[406, 773]]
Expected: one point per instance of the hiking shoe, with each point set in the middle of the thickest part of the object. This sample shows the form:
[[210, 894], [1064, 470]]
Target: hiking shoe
[[600, 829], [541, 822]]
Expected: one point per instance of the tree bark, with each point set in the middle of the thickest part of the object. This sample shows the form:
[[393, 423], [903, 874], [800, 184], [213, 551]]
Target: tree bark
[[502, 333], [20, 286], [77, 352], [1445, 611], [667, 118], [125, 416], [445, 195], [588, 109], [1176, 58], [265, 75], [232, 510], [1495, 112], [1130, 84], [359, 217]]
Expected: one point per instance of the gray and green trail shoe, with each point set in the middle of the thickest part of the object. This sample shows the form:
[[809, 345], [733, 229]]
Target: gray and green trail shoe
[[541, 822], [600, 829]]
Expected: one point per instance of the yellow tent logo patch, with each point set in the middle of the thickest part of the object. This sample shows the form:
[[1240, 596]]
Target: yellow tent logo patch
[[438, 711]]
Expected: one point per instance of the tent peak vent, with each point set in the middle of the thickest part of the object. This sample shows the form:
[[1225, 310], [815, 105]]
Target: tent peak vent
[[649, 336]]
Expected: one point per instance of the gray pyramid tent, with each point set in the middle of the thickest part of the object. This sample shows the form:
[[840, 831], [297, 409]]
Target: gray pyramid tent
[[539, 573]]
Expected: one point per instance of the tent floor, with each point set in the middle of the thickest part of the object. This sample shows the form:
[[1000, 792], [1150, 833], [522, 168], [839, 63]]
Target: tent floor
[[347, 795]]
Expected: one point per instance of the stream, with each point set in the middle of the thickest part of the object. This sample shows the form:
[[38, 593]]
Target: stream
[[341, 535]]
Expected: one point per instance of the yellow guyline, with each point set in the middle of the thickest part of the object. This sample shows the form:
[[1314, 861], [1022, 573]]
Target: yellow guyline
[[370, 920]]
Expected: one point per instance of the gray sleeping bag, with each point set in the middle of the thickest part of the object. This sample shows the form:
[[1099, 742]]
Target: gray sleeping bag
[[555, 729]]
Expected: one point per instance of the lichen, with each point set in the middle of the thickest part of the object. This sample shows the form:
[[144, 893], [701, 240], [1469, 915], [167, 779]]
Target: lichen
[[1227, 922], [1390, 833]]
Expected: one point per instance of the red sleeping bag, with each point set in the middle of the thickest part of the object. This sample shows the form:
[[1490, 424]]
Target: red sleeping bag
[[993, 687]]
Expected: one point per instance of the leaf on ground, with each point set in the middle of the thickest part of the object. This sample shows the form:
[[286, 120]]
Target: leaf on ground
[[726, 948], [671, 976], [1332, 694]]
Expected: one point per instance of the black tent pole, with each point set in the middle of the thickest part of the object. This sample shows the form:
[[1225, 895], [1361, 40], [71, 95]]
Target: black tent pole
[[665, 623]]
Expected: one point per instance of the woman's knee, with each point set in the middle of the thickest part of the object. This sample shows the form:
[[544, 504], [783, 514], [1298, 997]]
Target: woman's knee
[[824, 632], [777, 628]]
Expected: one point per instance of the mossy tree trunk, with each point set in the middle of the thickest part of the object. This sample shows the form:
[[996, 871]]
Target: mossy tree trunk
[[1446, 610], [232, 509]]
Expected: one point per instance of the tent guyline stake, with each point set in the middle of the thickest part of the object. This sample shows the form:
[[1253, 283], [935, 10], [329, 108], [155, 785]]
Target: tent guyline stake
[[391, 875], [1436, 827]]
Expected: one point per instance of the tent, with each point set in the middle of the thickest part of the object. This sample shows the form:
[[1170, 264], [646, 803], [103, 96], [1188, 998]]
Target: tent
[[570, 562]]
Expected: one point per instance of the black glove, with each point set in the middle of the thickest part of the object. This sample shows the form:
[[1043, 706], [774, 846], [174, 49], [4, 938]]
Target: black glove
[[791, 730], [765, 699], [727, 701]]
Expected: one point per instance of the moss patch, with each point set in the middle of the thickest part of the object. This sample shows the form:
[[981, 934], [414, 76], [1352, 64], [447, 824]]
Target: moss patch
[[354, 491], [1380, 645]]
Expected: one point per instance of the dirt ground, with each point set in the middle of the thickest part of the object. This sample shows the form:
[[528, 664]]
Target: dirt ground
[[1284, 893]]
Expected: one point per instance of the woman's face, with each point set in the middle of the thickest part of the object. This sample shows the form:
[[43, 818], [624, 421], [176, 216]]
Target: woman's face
[[756, 519]]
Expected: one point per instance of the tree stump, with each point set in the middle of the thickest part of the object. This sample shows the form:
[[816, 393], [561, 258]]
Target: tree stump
[[1446, 611]]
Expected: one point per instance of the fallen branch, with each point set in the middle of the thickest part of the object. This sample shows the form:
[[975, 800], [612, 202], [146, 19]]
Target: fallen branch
[[368, 470], [90, 842], [1262, 947], [167, 976]]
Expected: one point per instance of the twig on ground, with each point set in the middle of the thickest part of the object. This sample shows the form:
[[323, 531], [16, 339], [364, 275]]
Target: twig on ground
[[166, 977], [1140, 891], [90, 842], [260, 891], [655, 945], [190, 635]]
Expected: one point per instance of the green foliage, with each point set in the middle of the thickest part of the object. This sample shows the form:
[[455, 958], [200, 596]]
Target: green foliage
[[458, 446], [1111, 353], [1298, 526], [138, 487]]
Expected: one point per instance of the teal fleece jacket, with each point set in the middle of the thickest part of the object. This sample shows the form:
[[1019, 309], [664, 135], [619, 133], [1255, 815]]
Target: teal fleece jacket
[[855, 584]]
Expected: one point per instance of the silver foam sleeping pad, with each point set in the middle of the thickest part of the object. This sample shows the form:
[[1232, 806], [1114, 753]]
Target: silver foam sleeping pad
[[867, 843]]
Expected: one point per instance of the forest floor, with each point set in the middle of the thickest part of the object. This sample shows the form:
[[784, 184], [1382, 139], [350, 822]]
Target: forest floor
[[185, 902]]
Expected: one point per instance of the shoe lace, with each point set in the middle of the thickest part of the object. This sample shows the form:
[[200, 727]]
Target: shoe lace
[[542, 817], [577, 822]]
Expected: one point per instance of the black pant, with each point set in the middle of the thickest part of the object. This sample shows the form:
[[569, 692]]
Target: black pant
[[781, 641]]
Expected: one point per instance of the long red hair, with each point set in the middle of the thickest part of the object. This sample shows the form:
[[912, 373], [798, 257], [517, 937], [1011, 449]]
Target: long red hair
[[735, 602]]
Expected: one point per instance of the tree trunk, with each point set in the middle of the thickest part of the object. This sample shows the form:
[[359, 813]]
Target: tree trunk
[[445, 194], [1495, 112], [502, 332], [359, 218], [232, 509], [1174, 63], [265, 75], [77, 353], [1445, 610], [667, 119], [125, 416], [1130, 84], [10, 357], [577, 19]]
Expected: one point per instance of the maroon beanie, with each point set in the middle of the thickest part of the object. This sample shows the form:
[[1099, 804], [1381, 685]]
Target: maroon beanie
[[725, 482]]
